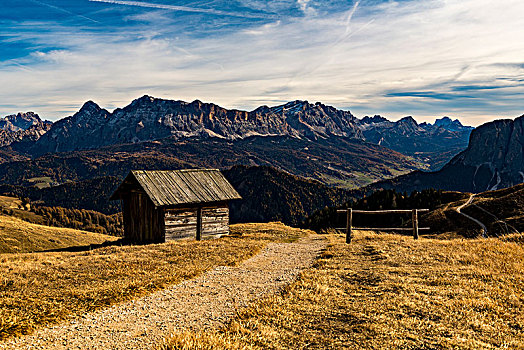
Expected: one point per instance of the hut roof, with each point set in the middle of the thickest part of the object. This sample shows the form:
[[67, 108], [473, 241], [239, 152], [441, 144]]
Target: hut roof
[[177, 187]]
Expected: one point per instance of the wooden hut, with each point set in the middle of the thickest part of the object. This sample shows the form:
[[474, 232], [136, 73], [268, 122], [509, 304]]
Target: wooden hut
[[160, 206]]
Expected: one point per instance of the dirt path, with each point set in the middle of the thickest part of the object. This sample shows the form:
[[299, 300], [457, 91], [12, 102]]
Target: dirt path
[[484, 228], [207, 301]]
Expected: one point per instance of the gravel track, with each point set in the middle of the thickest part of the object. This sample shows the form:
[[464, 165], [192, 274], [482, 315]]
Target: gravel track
[[207, 301], [484, 228]]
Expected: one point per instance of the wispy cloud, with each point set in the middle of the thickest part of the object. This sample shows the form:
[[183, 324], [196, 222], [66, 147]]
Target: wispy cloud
[[184, 8], [305, 7]]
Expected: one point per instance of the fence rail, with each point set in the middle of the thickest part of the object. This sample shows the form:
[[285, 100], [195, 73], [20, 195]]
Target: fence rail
[[414, 218], [394, 211]]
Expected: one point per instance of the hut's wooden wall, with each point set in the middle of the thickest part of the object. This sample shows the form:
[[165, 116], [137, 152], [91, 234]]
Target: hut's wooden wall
[[143, 223], [182, 223]]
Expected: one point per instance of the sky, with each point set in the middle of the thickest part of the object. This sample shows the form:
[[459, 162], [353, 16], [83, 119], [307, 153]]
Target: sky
[[425, 58]]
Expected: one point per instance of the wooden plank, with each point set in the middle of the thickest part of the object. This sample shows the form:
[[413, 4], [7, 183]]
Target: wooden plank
[[220, 231], [383, 228], [191, 222], [396, 211], [227, 189], [162, 186], [208, 185], [175, 226], [181, 216], [182, 223], [149, 186], [167, 188], [187, 207], [215, 221], [192, 187], [143, 223], [173, 230], [209, 230], [178, 235], [179, 219]]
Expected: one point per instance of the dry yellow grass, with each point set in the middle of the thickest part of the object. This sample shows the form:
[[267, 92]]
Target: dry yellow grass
[[43, 288], [10, 202], [388, 292], [18, 236]]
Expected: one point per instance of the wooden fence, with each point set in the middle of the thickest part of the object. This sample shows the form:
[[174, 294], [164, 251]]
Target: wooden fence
[[349, 221]]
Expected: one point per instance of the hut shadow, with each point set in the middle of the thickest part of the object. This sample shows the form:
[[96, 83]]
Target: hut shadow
[[84, 248]]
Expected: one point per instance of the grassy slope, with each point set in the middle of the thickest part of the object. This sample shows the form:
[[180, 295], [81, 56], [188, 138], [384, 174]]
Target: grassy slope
[[10, 202], [42, 288], [17, 236], [445, 222], [388, 292], [502, 211]]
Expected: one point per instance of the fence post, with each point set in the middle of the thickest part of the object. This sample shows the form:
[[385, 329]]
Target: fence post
[[199, 224], [414, 219], [349, 225]]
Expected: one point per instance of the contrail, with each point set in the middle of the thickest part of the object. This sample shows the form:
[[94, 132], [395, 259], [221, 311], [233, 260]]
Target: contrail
[[348, 33], [22, 66], [182, 8], [64, 10], [350, 16]]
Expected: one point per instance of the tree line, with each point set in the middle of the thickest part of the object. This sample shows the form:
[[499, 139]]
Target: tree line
[[328, 217]]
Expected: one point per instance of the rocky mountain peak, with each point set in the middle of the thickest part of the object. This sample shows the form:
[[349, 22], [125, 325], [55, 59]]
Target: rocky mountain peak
[[89, 113], [408, 125], [451, 125], [430, 144], [373, 120], [20, 121], [148, 118], [444, 121], [89, 106], [409, 120], [496, 152], [22, 128], [144, 100]]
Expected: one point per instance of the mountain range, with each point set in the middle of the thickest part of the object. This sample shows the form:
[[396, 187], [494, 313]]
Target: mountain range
[[494, 159], [433, 144], [309, 140], [149, 118]]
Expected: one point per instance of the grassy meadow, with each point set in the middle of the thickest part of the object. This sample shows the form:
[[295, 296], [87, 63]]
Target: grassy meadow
[[388, 292], [43, 288], [18, 236]]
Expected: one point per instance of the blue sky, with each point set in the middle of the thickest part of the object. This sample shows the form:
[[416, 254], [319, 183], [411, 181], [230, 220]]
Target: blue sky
[[461, 58]]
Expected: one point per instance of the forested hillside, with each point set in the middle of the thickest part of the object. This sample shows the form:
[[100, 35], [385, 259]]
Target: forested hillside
[[267, 195], [272, 195]]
